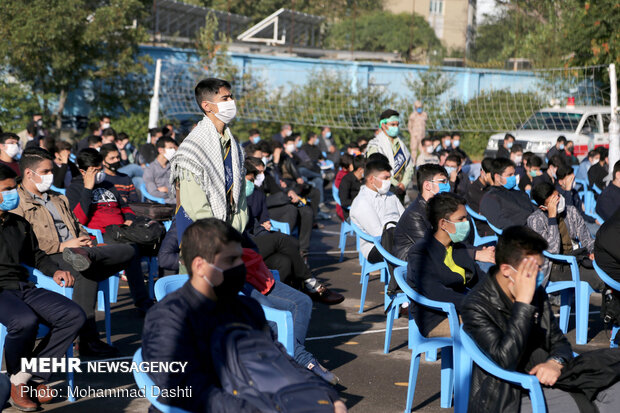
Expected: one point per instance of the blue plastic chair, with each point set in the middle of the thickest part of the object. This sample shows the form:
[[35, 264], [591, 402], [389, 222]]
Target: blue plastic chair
[[581, 290], [596, 189], [283, 319], [394, 302], [145, 195], [615, 285], [470, 352], [345, 226], [144, 382], [282, 227], [478, 240], [43, 281], [61, 191], [367, 267], [420, 344]]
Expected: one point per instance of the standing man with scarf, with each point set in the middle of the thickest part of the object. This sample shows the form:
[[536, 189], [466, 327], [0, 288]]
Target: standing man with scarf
[[207, 171], [388, 143]]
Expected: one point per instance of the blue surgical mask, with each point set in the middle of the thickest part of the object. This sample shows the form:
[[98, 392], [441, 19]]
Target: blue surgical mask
[[447, 143], [443, 187], [299, 143], [328, 134], [509, 145], [561, 147], [461, 233], [255, 139], [10, 200], [316, 142], [392, 131], [419, 110], [511, 182], [249, 188], [455, 144], [450, 169]]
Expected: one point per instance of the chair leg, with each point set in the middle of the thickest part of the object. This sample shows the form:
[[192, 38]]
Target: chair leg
[[447, 377], [153, 264], [70, 380], [612, 341], [342, 243], [364, 289], [431, 355], [565, 306], [108, 315], [413, 376], [389, 323], [582, 313]]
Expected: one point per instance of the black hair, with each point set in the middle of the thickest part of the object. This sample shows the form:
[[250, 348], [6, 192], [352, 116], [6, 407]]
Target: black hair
[[456, 134], [121, 137], [557, 161], [31, 128], [108, 148], [62, 146], [32, 157], [592, 153], [388, 114], [109, 132], [427, 172], [615, 170], [561, 139], [346, 160], [154, 131], [541, 192], [563, 171], [89, 157], [206, 238], [291, 138], [454, 158], [49, 143], [250, 148], [161, 142], [500, 165], [206, 88], [275, 145], [487, 165], [253, 132], [264, 146], [376, 166], [310, 135], [352, 145], [509, 136], [251, 164], [424, 140], [93, 127], [93, 139], [359, 162], [516, 148], [441, 206], [378, 157], [526, 157], [517, 242], [6, 172], [362, 139], [8, 135], [535, 161], [104, 116], [604, 152]]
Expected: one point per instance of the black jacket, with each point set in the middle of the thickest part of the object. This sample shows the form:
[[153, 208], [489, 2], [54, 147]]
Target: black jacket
[[461, 185], [607, 247], [428, 275], [411, 227], [60, 173], [513, 335], [348, 190], [597, 175], [504, 208], [608, 201], [502, 153]]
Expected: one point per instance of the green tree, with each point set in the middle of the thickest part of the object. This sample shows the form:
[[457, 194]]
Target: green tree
[[17, 105], [54, 45], [384, 32], [428, 87]]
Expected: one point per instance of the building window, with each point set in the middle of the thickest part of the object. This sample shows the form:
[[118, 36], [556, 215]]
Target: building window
[[436, 6]]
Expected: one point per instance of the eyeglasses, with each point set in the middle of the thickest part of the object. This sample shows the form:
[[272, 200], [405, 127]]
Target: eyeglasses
[[441, 181]]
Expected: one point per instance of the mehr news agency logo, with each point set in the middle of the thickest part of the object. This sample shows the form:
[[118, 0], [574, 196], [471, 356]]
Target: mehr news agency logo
[[75, 365]]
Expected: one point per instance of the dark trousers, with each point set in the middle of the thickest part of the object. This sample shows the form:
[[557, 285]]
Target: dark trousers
[[293, 215], [561, 272], [5, 390], [133, 272], [22, 310], [281, 252], [105, 260]]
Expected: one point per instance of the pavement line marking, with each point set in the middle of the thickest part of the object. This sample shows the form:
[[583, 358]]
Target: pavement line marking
[[328, 232], [359, 333], [401, 384], [351, 343], [334, 252]]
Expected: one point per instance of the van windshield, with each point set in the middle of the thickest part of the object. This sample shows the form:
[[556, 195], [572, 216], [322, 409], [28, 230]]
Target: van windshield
[[560, 121]]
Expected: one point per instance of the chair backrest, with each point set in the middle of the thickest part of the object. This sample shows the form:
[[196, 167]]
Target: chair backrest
[[469, 351], [43, 281], [478, 240], [475, 215], [168, 284], [567, 259], [282, 227], [145, 194], [360, 233], [61, 191], [335, 194], [95, 233], [611, 283], [144, 382]]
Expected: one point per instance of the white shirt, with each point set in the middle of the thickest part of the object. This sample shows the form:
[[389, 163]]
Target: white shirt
[[371, 211]]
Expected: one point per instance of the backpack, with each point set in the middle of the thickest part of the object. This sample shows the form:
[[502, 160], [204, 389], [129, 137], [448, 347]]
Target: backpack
[[156, 212], [251, 366], [143, 232]]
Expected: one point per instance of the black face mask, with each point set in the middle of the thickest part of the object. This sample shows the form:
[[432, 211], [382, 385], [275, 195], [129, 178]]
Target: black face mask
[[114, 166], [234, 279]]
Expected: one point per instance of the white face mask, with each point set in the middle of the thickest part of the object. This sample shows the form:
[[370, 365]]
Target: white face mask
[[290, 147], [518, 159], [100, 177], [226, 111], [46, 182], [429, 149], [260, 178], [169, 153], [105, 125], [11, 149], [385, 186], [561, 205], [288, 132]]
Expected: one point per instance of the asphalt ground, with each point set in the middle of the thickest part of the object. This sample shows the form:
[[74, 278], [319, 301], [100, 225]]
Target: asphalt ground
[[348, 343]]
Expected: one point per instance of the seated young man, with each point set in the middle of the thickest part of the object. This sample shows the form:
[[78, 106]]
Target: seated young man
[[346, 163], [607, 254], [279, 251], [598, 171], [503, 205], [564, 230], [427, 155], [550, 175], [9, 149], [157, 174], [459, 181], [97, 204], [440, 266], [351, 183], [62, 168], [592, 158], [180, 326], [510, 319], [531, 165], [123, 183], [413, 224], [23, 306], [609, 200], [565, 185], [375, 209], [67, 243], [94, 142]]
